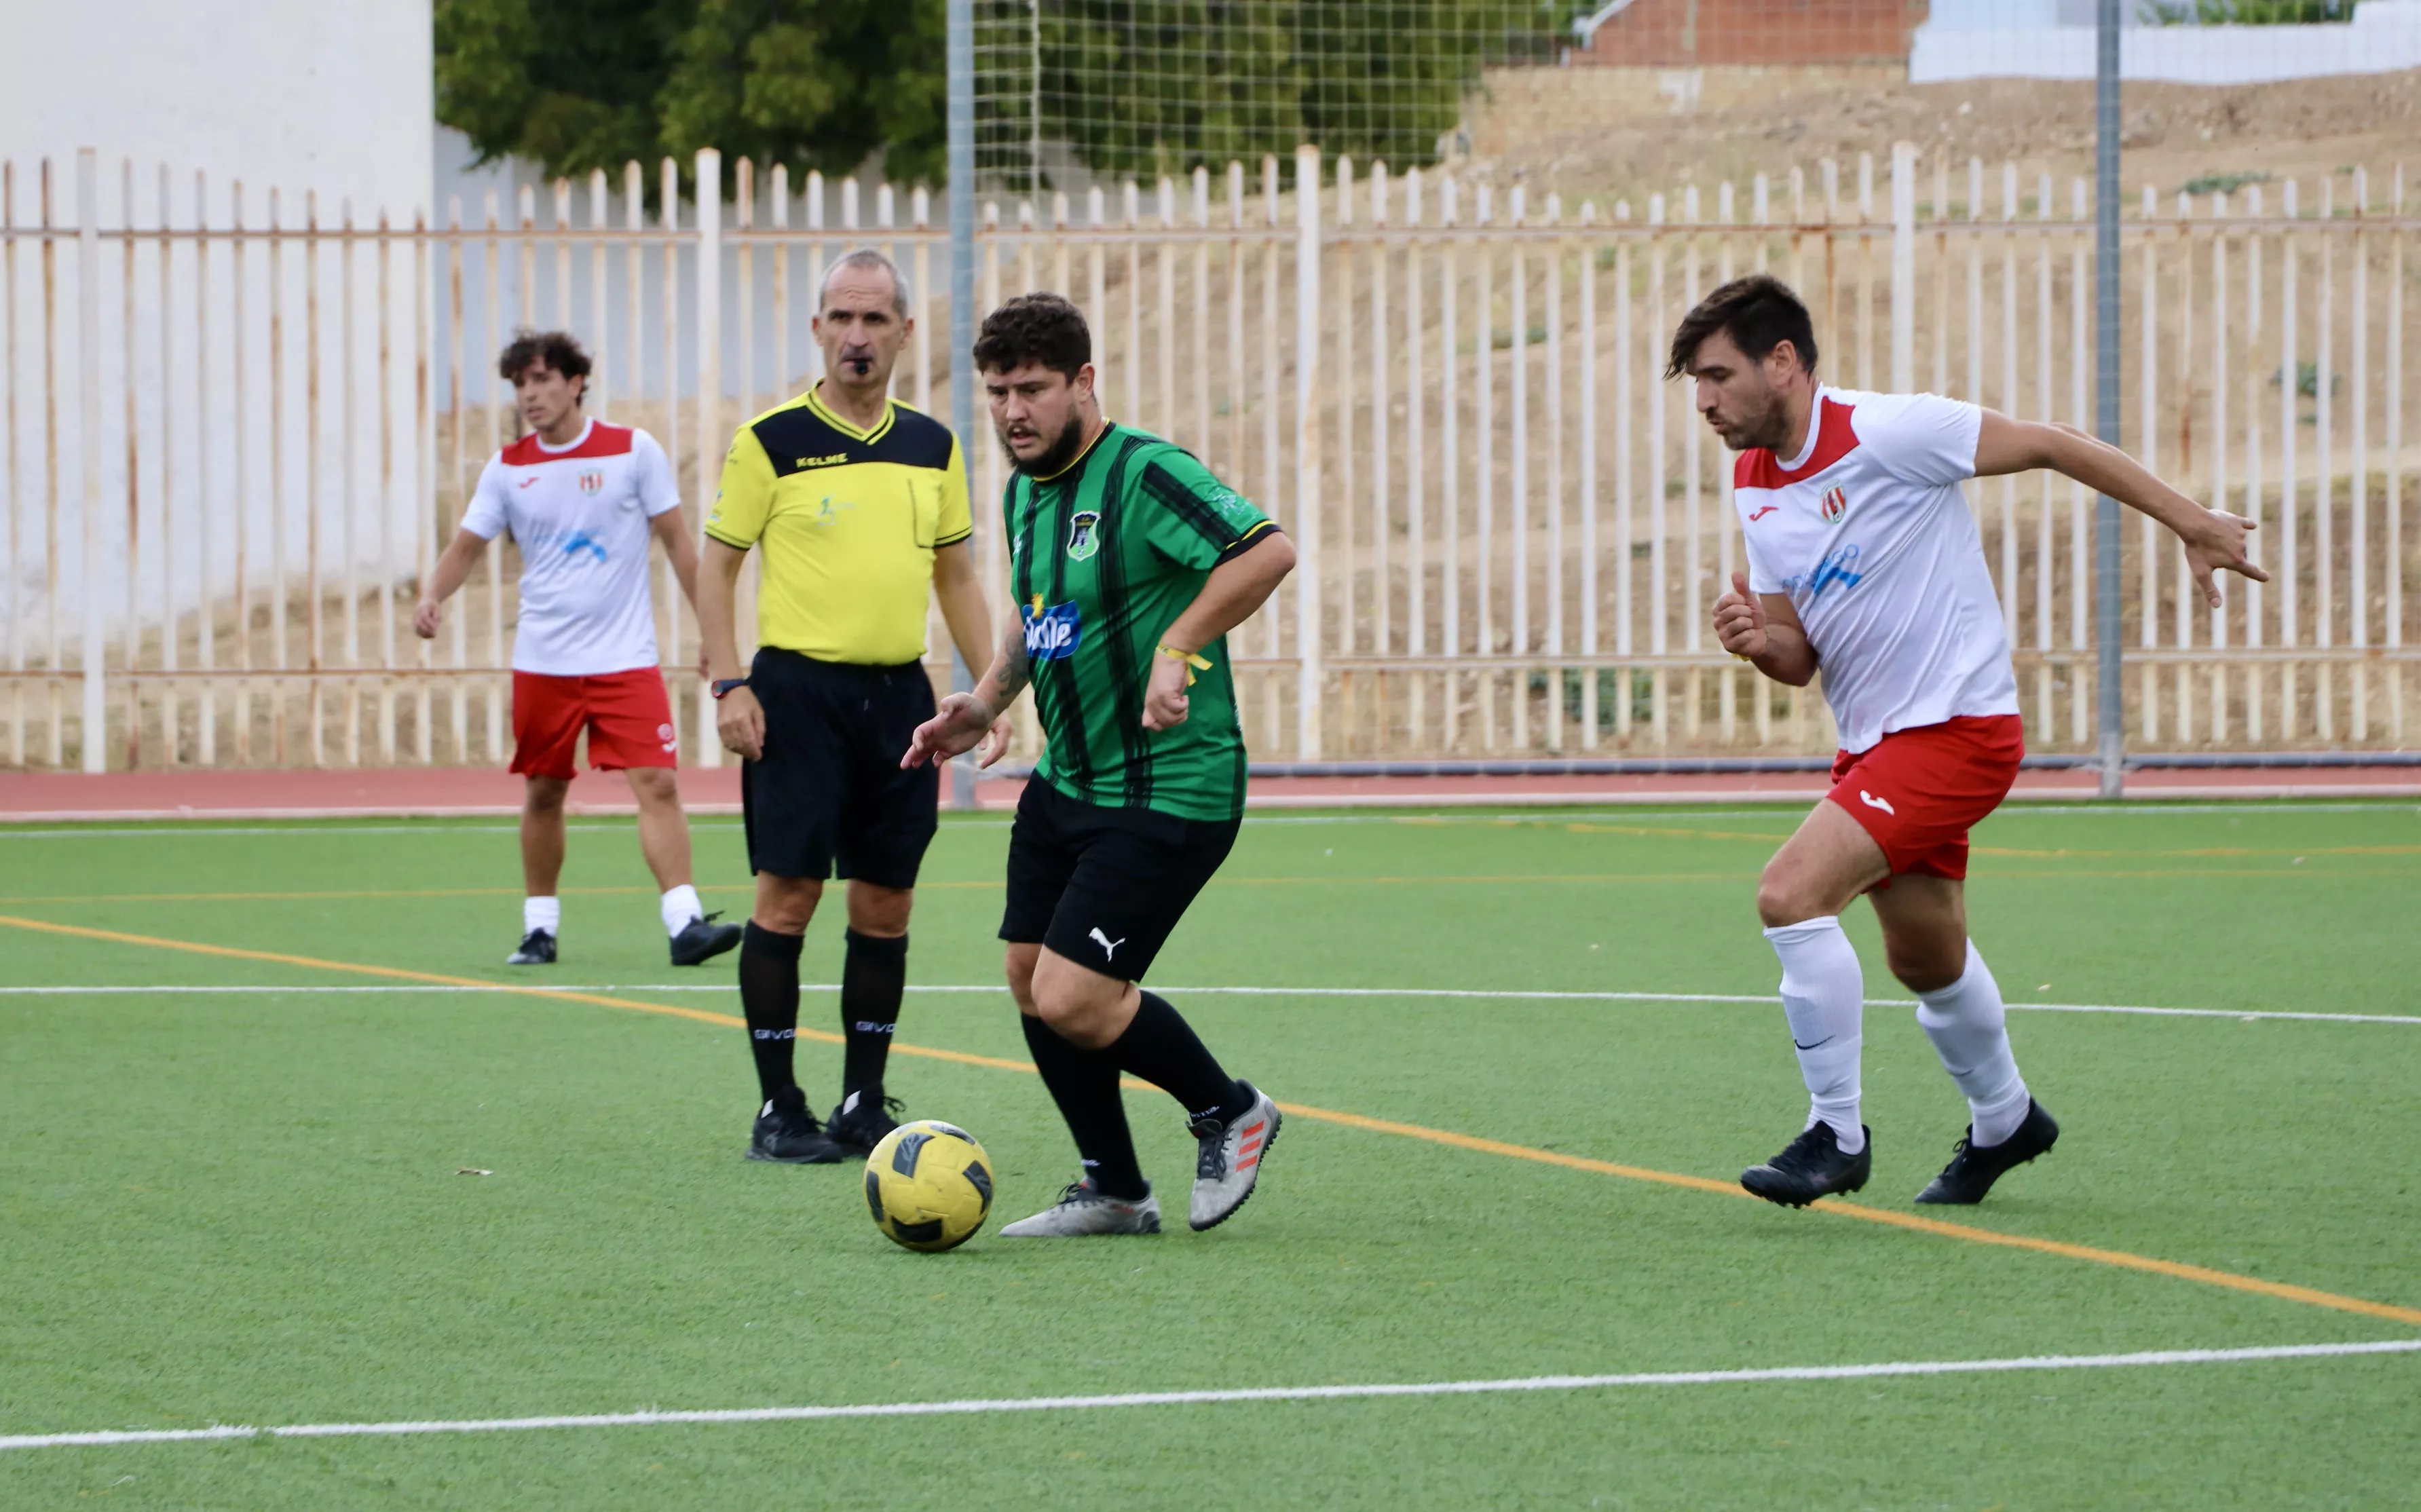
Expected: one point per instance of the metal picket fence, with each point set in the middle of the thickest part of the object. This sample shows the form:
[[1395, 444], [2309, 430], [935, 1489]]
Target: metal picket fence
[[236, 436]]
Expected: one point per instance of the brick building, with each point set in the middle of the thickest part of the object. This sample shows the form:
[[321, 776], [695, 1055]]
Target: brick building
[[1692, 34]]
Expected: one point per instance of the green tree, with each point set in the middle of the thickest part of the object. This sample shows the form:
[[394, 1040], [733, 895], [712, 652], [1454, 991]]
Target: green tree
[[815, 83], [1159, 86], [1132, 85]]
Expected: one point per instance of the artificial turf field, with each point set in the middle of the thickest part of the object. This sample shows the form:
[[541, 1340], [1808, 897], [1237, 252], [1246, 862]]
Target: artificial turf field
[[246, 1207]]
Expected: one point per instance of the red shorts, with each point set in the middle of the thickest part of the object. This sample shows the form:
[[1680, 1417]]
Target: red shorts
[[628, 717], [1919, 791]]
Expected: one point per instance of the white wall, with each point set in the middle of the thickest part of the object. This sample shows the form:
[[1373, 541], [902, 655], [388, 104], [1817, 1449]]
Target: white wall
[[2384, 36], [332, 95], [330, 99]]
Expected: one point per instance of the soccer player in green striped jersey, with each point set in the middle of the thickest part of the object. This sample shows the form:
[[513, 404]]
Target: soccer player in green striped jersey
[[1130, 563]]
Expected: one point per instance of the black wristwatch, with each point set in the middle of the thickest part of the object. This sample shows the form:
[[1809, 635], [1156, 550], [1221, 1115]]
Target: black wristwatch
[[724, 685]]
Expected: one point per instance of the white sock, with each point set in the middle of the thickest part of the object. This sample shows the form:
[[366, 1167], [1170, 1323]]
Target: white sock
[[681, 906], [1968, 1028], [1823, 994], [542, 914]]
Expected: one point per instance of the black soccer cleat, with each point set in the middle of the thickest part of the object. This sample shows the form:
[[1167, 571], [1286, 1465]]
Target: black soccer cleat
[[787, 1131], [537, 950], [1811, 1166], [860, 1123], [702, 940], [1972, 1170]]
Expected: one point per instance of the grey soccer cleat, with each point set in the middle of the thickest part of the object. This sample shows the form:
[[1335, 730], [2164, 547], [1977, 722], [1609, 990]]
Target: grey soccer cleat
[[1229, 1160], [1082, 1211]]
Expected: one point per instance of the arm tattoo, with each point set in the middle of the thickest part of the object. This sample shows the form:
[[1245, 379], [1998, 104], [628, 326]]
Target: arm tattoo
[[1016, 669]]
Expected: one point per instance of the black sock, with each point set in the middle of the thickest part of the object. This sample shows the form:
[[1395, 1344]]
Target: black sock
[[769, 996], [1162, 1048], [873, 976], [1085, 1084]]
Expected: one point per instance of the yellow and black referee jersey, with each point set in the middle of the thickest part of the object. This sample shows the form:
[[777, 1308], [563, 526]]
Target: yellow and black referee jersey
[[848, 520]]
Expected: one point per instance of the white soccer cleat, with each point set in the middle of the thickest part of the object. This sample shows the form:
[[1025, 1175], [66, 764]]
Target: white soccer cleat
[[1082, 1211], [1230, 1159]]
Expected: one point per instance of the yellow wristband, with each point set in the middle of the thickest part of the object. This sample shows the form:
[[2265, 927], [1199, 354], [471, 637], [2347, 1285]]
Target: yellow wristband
[[1194, 661]]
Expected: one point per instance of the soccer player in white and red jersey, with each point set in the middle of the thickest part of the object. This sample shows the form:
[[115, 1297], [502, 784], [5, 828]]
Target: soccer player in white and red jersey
[[1865, 563], [581, 498]]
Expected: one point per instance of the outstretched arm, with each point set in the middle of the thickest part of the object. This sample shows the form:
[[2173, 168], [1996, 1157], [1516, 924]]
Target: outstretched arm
[[451, 571], [2213, 539], [1234, 589], [963, 719]]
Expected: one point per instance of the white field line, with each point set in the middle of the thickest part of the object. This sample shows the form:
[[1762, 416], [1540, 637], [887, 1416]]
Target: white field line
[[1411, 814], [2248, 1015], [976, 1406]]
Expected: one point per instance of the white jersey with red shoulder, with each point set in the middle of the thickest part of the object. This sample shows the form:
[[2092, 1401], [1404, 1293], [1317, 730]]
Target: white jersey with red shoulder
[[1867, 532], [581, 515]]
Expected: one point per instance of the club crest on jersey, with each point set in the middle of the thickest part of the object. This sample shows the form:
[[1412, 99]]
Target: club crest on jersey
[[1083, 535], [592, 481], [1836, 504], [1051, 635]]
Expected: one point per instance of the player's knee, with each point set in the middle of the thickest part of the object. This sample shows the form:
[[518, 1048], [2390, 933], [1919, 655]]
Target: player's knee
[[1926, 966], [1783, 898], [1073, 1015], [545, 795], [1017, 964], [879, 912], [654, 785], [787, 904]]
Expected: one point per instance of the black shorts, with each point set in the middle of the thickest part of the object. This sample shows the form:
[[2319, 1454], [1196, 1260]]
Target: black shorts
[[828, 792], [1104, 887]]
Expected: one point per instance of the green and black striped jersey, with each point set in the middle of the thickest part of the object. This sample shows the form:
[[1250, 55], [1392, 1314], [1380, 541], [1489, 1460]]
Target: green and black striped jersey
[[1104, 556]]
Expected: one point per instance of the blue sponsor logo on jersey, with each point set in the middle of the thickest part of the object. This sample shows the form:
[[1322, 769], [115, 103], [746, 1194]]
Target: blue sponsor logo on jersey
[[1051, 635], [1839, 565], [585, 542]]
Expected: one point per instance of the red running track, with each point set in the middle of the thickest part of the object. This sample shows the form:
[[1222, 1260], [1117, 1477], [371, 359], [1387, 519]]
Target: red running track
[[439, 791]]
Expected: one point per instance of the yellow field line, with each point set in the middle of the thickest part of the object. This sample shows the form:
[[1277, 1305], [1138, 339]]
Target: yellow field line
[[2118, 1259]]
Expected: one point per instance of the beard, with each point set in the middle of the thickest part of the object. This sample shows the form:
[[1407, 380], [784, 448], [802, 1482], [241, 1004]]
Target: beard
[[1766, 424], [1055, 456]]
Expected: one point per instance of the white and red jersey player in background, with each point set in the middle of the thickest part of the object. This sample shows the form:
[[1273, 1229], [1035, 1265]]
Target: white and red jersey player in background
[[1864, 564], [582, 500]]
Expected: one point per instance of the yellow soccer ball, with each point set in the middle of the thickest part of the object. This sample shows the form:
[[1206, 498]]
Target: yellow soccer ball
[[928, 1185]]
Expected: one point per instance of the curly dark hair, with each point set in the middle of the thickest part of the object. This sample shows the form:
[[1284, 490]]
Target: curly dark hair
[[557, 350], [1758, 312], [1034, 328]]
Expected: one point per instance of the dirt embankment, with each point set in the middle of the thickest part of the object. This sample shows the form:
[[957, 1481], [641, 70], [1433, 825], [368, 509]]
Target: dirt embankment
[[2173, 135]]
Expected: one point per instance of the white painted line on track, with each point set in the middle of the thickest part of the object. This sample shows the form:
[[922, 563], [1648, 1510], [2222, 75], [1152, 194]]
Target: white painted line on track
[[2248, 1015], [976, 1406]]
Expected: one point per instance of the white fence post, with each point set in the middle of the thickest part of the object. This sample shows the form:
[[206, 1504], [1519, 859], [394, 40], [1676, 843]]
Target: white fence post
[[710, 383], [95, 738], [1309, 628], [1903, 270]]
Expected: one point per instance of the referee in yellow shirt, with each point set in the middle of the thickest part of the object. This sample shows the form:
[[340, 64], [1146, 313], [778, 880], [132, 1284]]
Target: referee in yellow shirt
[[859, 504]]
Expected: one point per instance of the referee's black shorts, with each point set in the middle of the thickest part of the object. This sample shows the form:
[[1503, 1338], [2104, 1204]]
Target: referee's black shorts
[[828, 793], [1104, 887]]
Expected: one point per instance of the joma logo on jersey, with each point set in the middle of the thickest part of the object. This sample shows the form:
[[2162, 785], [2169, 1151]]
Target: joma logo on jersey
[[592, 481], [1836, 504], [1083, 535], [1051, 635]]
